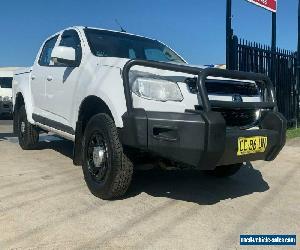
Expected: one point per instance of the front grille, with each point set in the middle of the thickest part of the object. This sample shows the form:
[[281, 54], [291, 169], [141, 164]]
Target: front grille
[[225, 87], [233, 117], [230, 87], [238, 118]]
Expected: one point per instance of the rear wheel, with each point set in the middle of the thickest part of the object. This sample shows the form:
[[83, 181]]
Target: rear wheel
[[107, 170], [28, 134], [225, 171]]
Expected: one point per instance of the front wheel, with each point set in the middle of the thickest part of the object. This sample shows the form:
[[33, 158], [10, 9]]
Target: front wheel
[[28, 134], [225, 171], [107, 170]]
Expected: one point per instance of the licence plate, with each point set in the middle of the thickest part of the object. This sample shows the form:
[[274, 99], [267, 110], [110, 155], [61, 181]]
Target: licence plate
[[252, 145]]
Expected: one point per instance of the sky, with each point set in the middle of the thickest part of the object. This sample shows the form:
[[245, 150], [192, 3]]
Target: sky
[[195, 29]]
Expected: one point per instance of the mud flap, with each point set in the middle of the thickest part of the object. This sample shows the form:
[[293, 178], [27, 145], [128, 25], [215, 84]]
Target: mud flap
[[77, 149]]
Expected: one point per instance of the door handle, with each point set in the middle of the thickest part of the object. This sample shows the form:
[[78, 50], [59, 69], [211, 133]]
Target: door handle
[[33, 77], [49, 78]]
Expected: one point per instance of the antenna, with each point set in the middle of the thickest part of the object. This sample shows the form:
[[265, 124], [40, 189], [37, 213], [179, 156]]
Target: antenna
[[117, 22]]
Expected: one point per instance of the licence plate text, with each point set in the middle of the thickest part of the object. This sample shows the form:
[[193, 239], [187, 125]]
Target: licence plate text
[[252, 145]]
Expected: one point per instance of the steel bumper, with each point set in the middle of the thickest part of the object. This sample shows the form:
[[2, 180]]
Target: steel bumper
[[199, 139]]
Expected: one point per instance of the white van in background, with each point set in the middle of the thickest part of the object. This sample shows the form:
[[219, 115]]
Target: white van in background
[[6, 76]]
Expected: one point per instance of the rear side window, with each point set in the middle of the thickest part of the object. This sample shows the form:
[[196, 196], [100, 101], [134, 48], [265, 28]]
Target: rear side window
[[6, 82], [45, 57], [71, 39]]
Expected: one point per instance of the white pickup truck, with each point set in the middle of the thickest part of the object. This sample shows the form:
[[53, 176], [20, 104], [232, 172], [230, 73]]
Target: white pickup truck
[[6, 77], [127, 100]]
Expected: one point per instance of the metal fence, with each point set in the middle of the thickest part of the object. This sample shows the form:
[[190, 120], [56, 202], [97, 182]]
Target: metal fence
[[280, 65]]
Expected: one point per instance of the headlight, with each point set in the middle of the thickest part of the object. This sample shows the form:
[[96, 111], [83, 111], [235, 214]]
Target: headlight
[[157, 89]]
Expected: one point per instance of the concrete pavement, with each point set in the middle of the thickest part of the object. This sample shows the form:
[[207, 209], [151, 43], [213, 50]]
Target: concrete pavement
[[45, 204]]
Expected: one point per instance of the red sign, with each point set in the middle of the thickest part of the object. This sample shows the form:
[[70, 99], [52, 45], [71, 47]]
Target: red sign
[[267, 4]]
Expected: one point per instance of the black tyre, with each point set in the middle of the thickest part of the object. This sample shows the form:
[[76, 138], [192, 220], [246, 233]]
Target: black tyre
[[28, 134], [107, 171], [225, 171]]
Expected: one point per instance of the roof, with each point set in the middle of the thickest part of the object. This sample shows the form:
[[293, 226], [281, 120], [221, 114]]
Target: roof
[[116, 31]]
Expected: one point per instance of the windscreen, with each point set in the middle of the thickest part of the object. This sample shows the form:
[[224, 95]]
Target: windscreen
[[115, 44], [6, 82]]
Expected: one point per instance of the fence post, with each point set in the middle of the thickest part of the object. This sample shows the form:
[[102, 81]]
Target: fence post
[[298, 69], [234, 53], [229, 33]]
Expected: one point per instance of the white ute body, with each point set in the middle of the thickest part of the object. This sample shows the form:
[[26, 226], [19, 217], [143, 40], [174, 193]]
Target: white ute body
[[56, 91], [124, 102]]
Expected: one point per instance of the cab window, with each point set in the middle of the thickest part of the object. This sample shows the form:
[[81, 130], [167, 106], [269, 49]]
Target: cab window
[[45, 57], [71, 39]]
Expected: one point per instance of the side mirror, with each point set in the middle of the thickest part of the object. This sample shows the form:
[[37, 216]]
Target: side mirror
[[64, 55]]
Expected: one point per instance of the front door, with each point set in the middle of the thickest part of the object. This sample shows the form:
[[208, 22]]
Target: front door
[[39, 75], [61, 82]]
